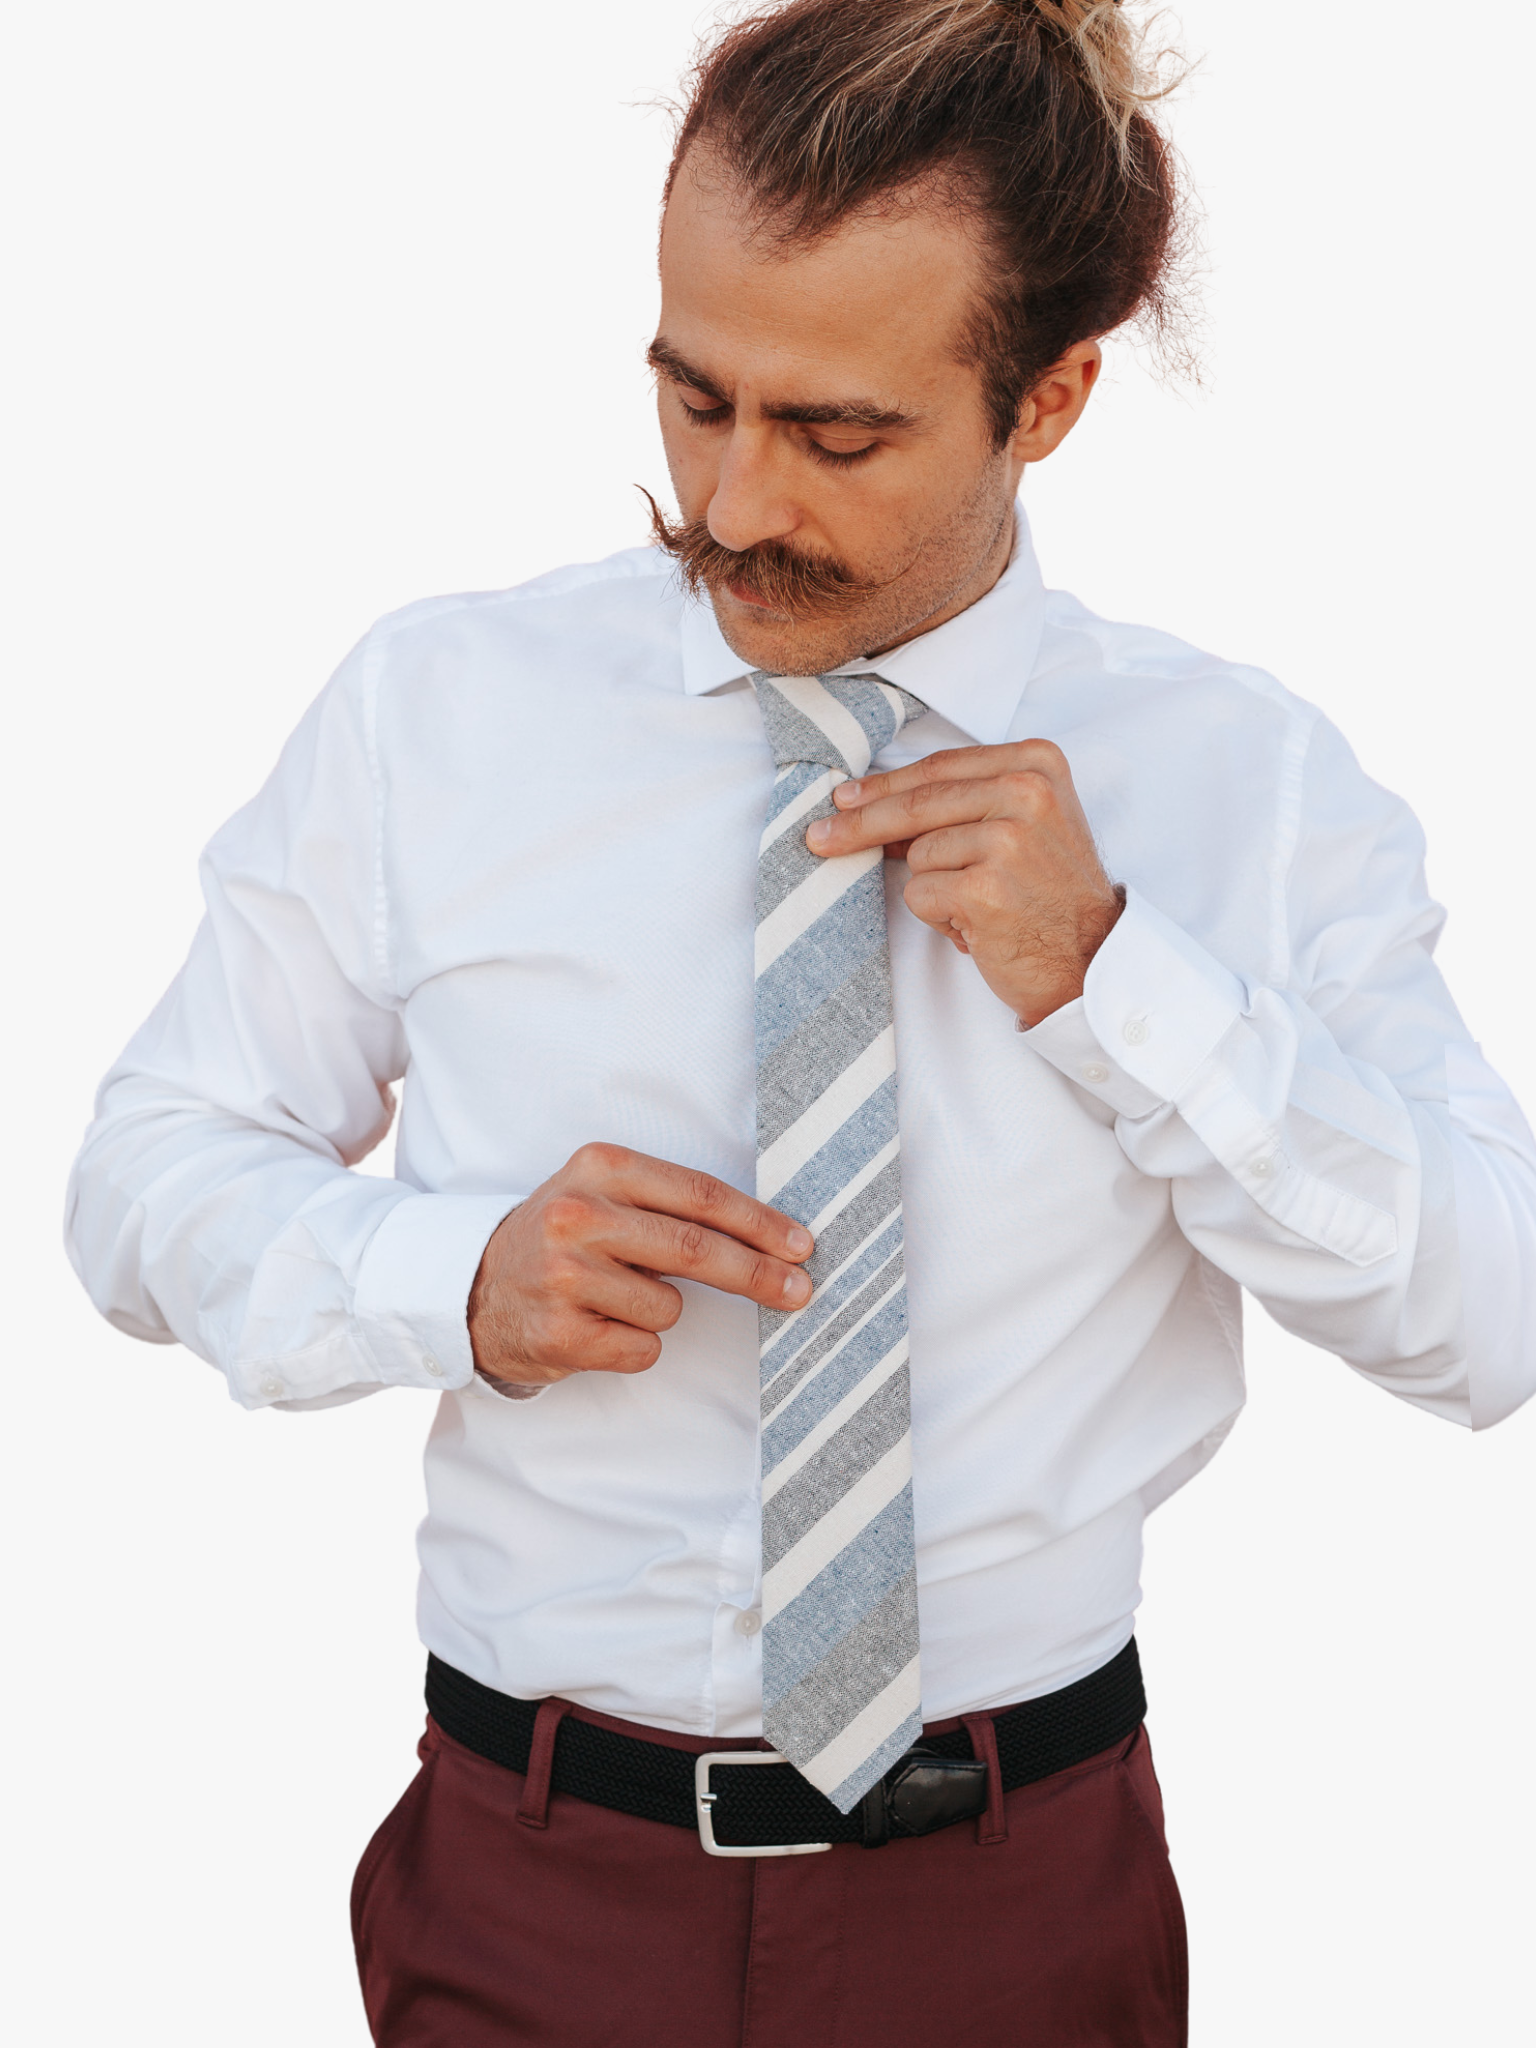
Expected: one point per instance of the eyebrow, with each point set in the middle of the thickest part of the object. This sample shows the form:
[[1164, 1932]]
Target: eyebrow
[[847, 412]]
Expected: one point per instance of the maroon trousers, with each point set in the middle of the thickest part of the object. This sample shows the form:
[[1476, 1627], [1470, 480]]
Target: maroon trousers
[[487, 1913]]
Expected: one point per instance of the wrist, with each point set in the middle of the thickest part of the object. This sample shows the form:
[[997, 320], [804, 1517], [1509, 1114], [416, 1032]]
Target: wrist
[[1047, 994]]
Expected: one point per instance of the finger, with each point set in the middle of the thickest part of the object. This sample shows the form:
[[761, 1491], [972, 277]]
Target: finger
[[954, 764], [625, 1294], [961, 846], [689, 1251], [589, 1342], [923, 808], [935, 899], [639, 1180], [578, 1340]]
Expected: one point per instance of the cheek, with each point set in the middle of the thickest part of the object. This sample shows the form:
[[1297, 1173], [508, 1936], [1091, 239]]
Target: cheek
[[693, 461]]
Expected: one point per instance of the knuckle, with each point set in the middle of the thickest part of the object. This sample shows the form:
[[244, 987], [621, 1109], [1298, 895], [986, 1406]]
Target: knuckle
[[705, 1192], [692, 1244], [599, 1158], [564, 1345], [568, 1216], [562, 1275]]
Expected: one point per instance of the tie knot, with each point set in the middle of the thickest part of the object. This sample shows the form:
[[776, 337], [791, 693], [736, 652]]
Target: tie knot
[[838, 721]]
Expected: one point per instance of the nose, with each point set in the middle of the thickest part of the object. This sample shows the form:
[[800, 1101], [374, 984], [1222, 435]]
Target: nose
[[750, 503]]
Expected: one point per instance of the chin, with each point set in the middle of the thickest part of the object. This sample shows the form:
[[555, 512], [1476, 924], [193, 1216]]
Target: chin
[[785, 645]]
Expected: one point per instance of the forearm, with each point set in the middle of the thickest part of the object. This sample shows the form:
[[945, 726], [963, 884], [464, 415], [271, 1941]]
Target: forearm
[[1348, 1199], [300, 1279]]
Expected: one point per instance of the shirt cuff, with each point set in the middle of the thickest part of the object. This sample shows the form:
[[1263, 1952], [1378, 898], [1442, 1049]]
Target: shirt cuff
[[1154, 1007], [508, 1390], [411, 1302]]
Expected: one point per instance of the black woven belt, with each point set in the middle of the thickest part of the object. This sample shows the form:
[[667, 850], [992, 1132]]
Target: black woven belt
[[753, 1811]]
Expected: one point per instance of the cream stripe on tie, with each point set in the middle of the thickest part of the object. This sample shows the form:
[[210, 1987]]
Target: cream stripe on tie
[[841, 1692]]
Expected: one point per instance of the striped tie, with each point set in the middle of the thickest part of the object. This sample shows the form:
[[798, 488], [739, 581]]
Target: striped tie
[[841, 1694]]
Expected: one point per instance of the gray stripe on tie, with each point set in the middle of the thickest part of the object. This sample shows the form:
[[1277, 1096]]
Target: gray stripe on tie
[[839, 1240], [856, 1668], [805, 974], [865, 1352], [792, 735], [869, 1256], [861, 1137], [841, 1462], [789, 861], [802, 1069], [779, 1389]]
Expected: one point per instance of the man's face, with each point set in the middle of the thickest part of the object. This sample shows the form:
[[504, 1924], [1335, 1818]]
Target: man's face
[[815, 398]]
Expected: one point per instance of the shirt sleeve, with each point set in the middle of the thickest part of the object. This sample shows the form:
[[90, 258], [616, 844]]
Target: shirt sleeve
[[213, 1202], [1336, 1144]]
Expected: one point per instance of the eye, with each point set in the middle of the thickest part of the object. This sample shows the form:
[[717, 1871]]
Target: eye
[[700, 410], [841, 458]]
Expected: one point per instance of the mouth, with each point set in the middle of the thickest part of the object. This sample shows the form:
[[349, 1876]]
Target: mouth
[[744, 595]]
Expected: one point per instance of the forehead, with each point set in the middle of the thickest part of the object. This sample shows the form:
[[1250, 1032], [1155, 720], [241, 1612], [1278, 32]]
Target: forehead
[[881, 301]]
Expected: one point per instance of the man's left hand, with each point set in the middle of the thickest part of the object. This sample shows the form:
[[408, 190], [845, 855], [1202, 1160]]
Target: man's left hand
[[1002, 860]]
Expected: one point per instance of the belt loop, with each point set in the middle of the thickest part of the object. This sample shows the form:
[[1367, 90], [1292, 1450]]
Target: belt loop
[[991, 1826], [533, 1810]]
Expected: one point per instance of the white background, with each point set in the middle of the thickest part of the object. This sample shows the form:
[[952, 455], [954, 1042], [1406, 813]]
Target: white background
[[319, 306]]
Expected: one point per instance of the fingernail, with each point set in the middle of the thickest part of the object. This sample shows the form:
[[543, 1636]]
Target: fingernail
[[819, 833], [797, 1287], [847, 792], [799, 1242]]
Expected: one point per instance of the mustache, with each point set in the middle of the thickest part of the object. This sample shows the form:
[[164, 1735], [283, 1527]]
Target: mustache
[[775, 573]]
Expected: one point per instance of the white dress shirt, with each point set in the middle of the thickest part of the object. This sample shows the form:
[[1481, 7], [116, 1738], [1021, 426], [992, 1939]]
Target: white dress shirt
[[508, 859]]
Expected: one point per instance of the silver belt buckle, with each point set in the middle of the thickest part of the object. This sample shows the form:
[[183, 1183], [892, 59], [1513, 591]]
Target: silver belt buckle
[[704, 1803]]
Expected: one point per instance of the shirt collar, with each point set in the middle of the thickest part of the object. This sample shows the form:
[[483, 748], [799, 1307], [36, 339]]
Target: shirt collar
[[972, 670]]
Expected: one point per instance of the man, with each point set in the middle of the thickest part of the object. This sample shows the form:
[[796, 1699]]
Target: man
[[1145, 954]]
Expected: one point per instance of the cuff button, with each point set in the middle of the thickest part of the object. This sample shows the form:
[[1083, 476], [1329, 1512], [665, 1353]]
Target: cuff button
[[1095, 1073], [433, 1367]]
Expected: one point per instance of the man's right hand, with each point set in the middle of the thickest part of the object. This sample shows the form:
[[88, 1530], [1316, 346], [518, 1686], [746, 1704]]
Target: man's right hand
[[571, 1280]]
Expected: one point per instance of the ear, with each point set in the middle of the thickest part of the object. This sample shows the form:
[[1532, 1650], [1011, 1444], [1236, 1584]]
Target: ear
[[1055, 405]]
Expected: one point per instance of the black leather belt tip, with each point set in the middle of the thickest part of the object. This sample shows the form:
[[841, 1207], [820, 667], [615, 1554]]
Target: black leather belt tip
[[752, 1803]]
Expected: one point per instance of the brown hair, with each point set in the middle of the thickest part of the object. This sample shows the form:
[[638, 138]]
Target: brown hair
[[1032, 114]]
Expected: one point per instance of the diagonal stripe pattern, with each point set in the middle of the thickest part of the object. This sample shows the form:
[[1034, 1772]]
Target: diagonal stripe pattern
[[841, 1695]]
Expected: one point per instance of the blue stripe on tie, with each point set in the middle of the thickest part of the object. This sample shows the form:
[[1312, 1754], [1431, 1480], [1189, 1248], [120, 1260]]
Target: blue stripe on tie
[[800, 777], [820, 961], [858, 1358], [796, 1335], [852, 1145], [840, 1595], [871, 707]]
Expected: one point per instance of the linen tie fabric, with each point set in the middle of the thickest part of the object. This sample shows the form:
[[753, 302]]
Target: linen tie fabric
[[841, 1696]]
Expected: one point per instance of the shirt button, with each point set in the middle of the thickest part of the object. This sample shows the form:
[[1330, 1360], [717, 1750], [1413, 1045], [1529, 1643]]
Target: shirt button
[[271, 1385], [1136, 1031], [749, 1623], [433, 1367], [1265, 1167], [1095, 1073]]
